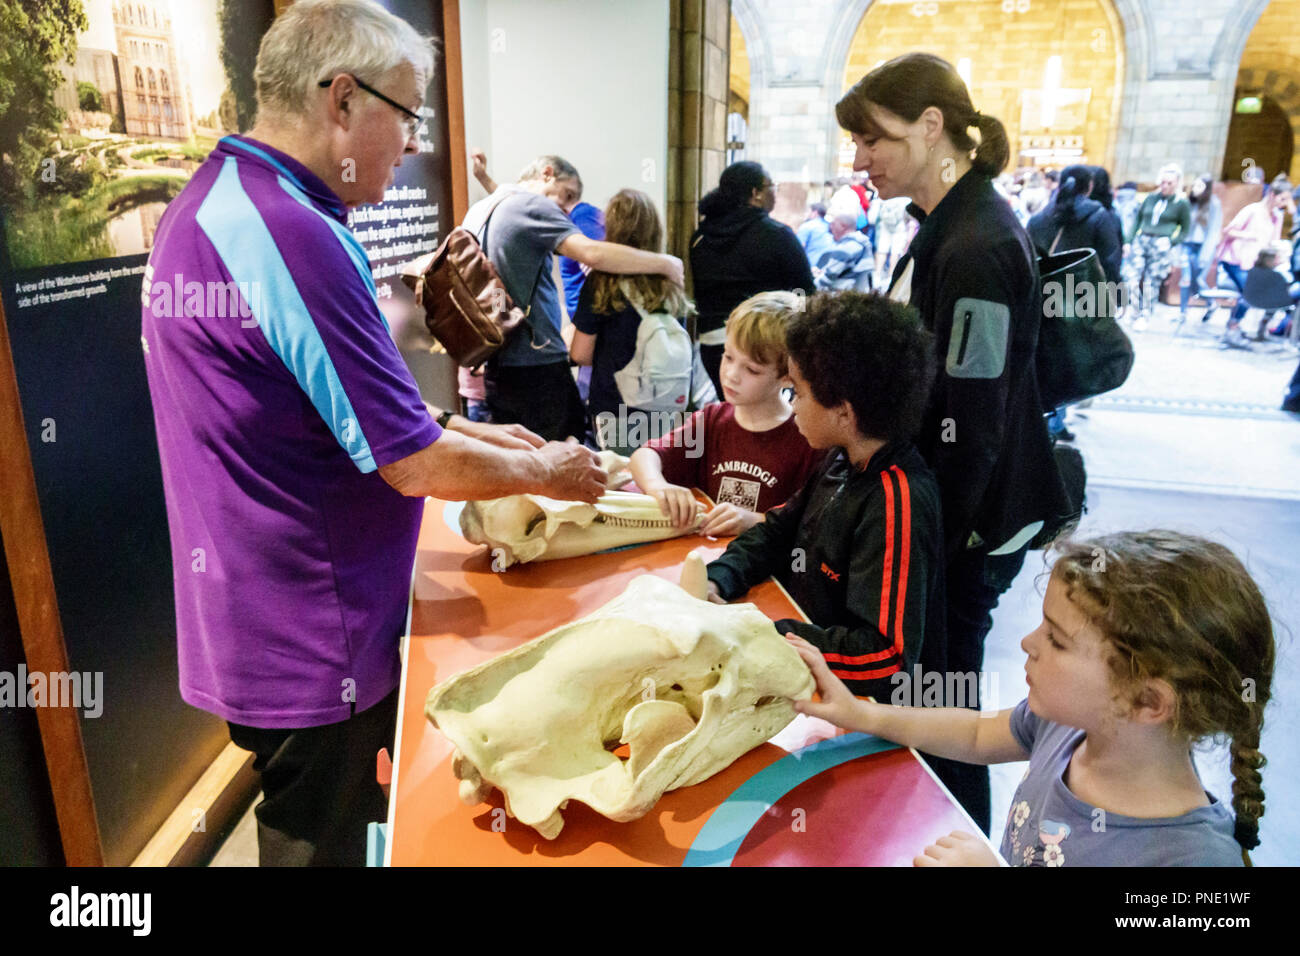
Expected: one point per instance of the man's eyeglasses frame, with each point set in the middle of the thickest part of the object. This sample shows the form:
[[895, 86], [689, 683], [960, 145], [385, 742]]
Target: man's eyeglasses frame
[[413, 122]]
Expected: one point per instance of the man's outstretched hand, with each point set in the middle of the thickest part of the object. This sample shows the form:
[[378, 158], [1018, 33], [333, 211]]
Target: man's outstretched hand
[[574, 472]]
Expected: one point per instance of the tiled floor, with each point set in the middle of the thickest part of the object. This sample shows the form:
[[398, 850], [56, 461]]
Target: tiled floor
[[1192, 441], [240, 848]]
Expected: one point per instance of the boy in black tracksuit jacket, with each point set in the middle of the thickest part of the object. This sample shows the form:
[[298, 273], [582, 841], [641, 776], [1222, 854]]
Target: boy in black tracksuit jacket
[[860, 547]]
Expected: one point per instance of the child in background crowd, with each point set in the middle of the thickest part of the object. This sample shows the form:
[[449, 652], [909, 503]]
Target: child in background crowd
[[744, 452], [605, 320], [1150, 642], [860, 546]]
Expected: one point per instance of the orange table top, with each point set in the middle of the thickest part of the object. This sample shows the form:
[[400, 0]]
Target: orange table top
[[766, 808]]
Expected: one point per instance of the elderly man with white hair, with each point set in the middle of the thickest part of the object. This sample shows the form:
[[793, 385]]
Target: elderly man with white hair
[[296, 451], [848, 263]]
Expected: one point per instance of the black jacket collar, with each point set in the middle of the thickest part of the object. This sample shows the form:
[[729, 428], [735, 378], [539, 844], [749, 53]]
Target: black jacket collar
[[965, 191], [885, 456]]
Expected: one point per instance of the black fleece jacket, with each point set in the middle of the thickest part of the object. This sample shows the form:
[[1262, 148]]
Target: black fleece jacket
[[1081, 224], [860, 551], [740, 253], [974, 280]]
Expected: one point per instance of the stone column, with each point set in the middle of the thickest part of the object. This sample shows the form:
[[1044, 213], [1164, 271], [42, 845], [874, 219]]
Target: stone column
[[698, 50]]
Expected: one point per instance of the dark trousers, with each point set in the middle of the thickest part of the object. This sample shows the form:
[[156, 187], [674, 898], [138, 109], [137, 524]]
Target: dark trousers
[[1190, 280], [975, 582], [319, 788], [542, 398], [711, 356]]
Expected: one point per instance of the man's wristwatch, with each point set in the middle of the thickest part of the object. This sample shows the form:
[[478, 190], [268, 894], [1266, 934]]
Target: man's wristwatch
[[444, 418]]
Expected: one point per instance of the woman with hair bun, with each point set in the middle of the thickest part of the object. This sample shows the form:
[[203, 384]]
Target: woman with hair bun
[[738, 251], [1074, 220], [972, 275]]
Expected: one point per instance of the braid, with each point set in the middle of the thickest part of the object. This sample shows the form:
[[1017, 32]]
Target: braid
[[1247, 788]]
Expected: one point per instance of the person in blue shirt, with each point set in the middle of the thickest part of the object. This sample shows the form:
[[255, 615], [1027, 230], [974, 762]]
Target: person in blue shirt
[[814, 234]]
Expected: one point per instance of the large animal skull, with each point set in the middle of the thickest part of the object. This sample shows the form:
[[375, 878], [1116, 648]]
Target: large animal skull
[[687, 685], [522, 528]]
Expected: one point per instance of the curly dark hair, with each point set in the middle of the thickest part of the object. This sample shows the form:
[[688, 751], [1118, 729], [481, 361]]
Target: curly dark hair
[[869, 351]]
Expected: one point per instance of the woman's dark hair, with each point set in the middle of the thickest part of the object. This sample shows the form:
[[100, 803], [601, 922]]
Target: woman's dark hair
[[907, 86], [869, 351], [735, 187], [1203, 200], [1076, 181], [1101, 190]]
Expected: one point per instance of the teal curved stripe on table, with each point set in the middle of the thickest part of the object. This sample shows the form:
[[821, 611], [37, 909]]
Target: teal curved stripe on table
[[722, 834]]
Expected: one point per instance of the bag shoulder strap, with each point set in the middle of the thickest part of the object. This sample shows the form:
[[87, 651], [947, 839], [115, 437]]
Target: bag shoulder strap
[[1052, 251], [481, 236], [482, 241], [648, 326]]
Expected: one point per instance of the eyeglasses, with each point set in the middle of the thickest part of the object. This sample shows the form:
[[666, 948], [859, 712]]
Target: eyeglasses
[[412, 122]]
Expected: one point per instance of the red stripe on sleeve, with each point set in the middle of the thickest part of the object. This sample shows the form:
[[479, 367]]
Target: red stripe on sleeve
[[860, 658], [905, 550], [867, 675], [889, 553]]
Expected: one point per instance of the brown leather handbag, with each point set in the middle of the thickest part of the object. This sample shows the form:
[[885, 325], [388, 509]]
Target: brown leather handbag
[[466, 305]]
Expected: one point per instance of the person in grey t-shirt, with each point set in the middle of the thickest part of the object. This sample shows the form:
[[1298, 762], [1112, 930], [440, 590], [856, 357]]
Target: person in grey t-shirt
[[1150, 642], [522, 225]]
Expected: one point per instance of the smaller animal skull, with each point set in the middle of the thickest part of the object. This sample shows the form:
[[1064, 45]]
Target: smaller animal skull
[[522, 528], [687, 685]]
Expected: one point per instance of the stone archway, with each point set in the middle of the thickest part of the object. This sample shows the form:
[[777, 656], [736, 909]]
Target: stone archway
[[1164, 61], [1269, 65], [1264, 140], [1007, 66]]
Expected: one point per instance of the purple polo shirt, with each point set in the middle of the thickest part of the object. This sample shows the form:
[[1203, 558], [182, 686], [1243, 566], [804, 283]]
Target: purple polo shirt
[[277, 393]]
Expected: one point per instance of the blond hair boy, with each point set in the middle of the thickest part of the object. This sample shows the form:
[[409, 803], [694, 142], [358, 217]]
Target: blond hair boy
[[745, 452]]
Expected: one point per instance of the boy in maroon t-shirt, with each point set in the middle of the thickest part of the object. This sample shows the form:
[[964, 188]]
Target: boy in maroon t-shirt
[[746, 452]]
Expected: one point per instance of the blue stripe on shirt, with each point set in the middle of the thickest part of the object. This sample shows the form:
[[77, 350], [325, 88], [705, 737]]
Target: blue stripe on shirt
[[351, 245], [236, 230]]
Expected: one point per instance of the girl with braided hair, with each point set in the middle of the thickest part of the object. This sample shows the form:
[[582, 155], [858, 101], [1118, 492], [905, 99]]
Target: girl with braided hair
[[1150, 643]]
